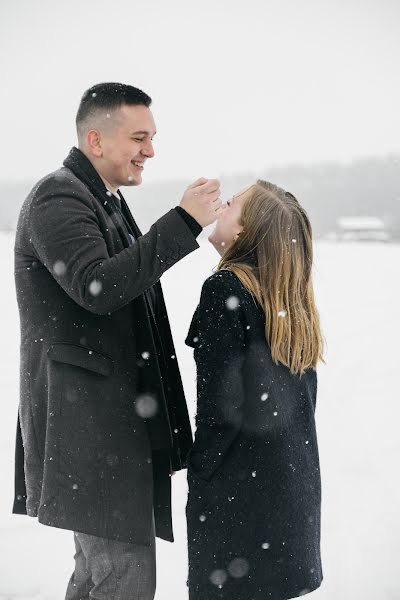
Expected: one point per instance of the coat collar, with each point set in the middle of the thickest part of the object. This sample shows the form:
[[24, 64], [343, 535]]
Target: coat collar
[[81, 166]]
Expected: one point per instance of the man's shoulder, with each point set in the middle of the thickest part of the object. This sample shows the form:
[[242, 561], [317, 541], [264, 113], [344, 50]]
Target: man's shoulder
[[62, 183], [61, 180]]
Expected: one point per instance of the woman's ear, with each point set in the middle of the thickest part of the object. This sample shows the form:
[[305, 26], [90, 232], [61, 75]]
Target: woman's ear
[[238, 232]]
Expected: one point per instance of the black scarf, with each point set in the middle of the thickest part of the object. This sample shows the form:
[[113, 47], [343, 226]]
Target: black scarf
[[81, 166], [122, 218]]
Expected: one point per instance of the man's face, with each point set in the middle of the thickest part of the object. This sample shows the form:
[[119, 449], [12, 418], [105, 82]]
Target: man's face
[[126, 145]]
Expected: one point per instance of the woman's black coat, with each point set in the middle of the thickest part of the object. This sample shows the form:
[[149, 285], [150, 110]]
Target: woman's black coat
[[253, 510], [96, 357]]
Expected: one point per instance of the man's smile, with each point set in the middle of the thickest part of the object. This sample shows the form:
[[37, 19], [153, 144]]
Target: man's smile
[[138, 164]]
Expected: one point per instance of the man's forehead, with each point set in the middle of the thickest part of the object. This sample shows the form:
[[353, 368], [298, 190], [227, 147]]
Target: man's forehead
[[138, 119]]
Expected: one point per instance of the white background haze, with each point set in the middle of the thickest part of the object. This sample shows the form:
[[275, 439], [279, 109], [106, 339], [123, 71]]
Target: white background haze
[[237, 86]]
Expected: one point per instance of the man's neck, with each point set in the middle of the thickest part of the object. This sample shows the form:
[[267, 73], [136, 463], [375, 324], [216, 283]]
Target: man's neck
[[108, 185]]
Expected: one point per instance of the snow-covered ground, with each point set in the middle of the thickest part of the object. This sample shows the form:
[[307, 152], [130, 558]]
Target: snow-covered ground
[[358, 412]]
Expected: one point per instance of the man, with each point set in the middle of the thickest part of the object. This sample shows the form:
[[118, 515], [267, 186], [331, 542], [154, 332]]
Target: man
[[103, 421]]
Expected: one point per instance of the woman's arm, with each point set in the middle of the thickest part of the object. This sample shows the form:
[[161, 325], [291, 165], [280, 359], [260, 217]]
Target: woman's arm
[[219, 356]]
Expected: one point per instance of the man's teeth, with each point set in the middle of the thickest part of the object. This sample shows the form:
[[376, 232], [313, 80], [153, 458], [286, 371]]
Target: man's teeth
[[137, 163]]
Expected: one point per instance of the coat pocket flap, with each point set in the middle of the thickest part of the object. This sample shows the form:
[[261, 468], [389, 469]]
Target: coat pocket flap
[[81, 357]]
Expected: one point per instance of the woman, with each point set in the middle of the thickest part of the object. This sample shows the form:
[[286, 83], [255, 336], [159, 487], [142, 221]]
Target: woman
[[253, 511]]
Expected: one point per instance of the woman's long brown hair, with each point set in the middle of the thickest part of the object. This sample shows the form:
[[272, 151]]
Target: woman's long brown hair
[[277, 238]]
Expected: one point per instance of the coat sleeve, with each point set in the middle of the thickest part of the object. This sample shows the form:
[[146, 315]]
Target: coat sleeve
[[219, 355], [66, 235]]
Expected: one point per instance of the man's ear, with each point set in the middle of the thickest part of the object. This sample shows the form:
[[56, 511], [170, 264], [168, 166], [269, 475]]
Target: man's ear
[[93, 140]]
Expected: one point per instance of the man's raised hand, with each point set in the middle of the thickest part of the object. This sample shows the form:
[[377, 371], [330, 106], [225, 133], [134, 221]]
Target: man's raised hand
[[201, 200]]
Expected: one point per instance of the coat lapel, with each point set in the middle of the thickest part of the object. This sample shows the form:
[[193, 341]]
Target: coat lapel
[[192, 338], [128, 216], [81, 166]]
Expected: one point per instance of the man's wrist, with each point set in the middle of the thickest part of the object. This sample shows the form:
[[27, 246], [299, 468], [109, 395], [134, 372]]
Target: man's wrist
[[190, 221]]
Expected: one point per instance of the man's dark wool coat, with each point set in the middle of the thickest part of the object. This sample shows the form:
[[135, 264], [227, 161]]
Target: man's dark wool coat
[[253, 511], [102, 414]]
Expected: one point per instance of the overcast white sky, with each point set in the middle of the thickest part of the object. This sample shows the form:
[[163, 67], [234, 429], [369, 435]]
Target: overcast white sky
[[236, 86]]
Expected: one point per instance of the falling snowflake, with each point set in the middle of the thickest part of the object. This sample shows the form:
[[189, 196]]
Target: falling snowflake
[[239, 567], [146, 355], [265, 546], [294, 241], [94, 95], [59, 268], [254, 473], [109, 193], [264, 396], [218, 577], [95, 287], [130, 177], [146, 406], [282, 313], [75, 486], [202, 518], [195, 339], [275, 414], [232, 302]]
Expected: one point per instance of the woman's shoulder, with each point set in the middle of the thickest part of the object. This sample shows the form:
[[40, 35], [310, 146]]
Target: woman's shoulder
[[227, 284], [221, 280]]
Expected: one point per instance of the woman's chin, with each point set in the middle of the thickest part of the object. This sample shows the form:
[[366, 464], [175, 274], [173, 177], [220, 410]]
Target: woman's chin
[[218, 244]]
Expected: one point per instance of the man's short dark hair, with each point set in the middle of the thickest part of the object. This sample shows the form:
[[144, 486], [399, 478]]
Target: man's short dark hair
[[108, 97]]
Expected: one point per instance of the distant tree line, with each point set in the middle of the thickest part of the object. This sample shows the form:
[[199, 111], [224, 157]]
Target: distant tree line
[[367, 187]]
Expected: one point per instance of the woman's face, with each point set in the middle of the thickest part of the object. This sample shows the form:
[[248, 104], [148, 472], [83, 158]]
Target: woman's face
[[227, 227]]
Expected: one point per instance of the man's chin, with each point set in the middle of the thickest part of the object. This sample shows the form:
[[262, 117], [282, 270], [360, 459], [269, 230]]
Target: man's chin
[[137, 180]]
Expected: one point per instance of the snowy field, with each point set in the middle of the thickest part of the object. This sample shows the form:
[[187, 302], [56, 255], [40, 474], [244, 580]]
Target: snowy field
[[358, 414]]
